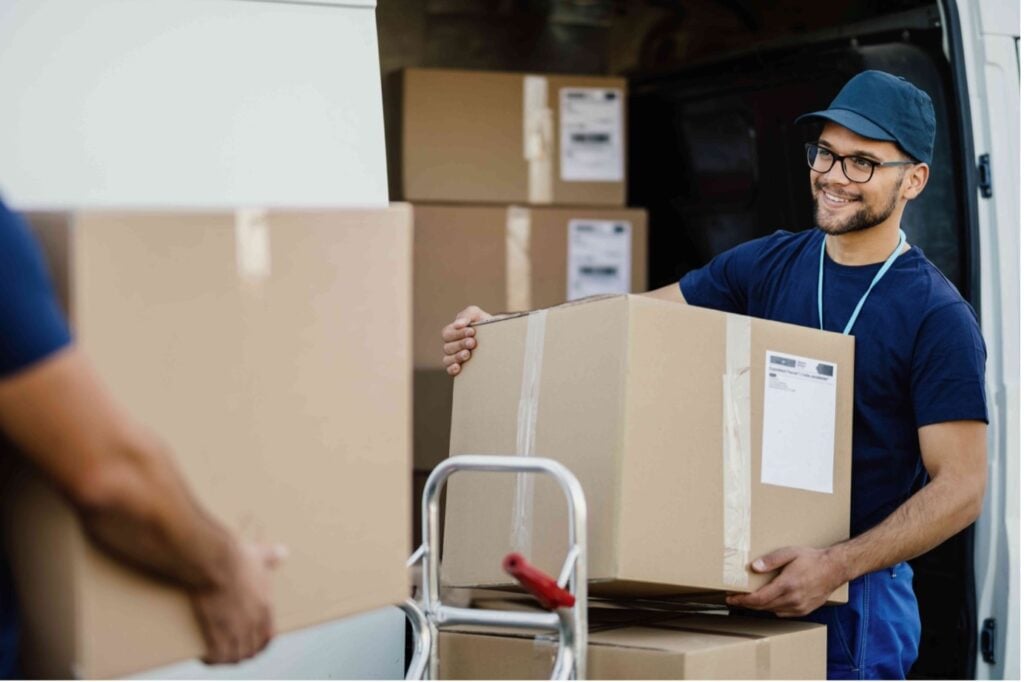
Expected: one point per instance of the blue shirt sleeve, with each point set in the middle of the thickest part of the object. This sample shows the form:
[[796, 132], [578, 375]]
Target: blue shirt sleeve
[[948, 371], [724, 283], [32, 325]]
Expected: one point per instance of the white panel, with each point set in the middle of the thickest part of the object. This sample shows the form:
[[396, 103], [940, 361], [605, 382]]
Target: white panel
[[992, 68], [1000, 17], [366, 647], [190, 103]]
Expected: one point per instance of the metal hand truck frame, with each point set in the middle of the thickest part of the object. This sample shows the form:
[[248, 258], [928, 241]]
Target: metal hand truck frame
[[565, 598]]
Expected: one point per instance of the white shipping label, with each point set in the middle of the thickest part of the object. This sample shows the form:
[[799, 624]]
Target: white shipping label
[[798, 444], [600, 257], [590, 120]]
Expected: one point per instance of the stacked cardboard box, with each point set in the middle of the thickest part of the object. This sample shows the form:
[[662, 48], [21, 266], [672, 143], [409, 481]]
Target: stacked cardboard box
[[241, 339], [631, 645], [509, 138], [702, 440], [519, 187], [504, 259]]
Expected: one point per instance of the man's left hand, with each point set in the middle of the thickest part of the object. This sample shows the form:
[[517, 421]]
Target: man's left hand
[[806, 578]]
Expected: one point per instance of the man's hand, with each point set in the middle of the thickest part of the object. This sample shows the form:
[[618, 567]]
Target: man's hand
[[235, 617], [458, 338], [806, 579]]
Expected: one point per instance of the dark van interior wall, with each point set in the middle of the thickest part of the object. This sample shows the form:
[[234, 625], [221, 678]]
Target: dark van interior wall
[[717, 159]]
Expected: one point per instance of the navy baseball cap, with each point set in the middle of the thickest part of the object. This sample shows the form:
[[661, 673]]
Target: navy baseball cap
[[880, 106]]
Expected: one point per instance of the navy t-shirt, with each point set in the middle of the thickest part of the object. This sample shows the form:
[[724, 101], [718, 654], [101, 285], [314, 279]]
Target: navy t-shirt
[[31, 328], [919, 356]]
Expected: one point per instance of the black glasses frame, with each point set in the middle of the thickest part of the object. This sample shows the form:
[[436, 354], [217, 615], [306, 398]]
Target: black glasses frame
[[809, 146]]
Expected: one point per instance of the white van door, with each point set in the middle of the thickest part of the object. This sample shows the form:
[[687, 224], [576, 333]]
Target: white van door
[[989, 33]]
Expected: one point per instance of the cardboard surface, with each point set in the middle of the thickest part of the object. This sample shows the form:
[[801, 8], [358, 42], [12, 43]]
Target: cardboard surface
[[463, 139], [461, 257], [290, 422], [648, 646], [631, 398]]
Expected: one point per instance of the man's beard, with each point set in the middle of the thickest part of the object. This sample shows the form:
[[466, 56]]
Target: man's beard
[[861, 220]]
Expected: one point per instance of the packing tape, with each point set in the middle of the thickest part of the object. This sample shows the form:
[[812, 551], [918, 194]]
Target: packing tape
[[518, 271], [538, 139], [252, 244], [736, 451], [526, 430]]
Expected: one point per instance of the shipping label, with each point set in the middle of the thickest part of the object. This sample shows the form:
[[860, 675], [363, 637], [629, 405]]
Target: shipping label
[[798, 442], [600, 257], [591, 135]]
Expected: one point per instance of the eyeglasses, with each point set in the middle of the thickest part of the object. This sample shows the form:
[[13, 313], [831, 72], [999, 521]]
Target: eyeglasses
[[855, 168]]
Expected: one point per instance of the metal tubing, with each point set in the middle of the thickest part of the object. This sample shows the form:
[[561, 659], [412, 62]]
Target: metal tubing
[[572, 628], [421, 635], [567, 664], [448, 616]]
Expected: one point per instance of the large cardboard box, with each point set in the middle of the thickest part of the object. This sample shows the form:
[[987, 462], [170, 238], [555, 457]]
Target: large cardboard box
[[244, 341], [702, 440], [493, 137], [504, 259], [648, 646]]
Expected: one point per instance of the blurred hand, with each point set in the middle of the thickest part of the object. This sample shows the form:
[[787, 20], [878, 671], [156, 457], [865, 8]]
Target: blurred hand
[[236, 617], [460, 338]]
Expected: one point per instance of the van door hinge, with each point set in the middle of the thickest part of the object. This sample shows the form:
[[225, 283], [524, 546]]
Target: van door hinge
[[985, 175], [988, 640]]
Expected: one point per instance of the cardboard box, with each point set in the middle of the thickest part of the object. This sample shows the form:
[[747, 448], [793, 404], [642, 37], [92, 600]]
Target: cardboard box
[[648, 646], [493, 137], [241, 340], [504, 259], [660, 410]]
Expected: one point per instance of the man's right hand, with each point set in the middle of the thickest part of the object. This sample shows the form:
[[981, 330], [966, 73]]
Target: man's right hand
[[236, 616], [460, 338]]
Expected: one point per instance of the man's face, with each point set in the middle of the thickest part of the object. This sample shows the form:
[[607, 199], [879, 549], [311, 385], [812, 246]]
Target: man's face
[[842, 206]]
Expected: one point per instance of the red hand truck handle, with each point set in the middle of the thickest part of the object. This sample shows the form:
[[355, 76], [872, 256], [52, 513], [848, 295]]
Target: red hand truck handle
[[538, 583]]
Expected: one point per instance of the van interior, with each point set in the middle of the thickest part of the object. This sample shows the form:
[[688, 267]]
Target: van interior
[[714, 153]]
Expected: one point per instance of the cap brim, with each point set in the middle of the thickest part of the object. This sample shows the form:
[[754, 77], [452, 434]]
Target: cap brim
[[853, 121]]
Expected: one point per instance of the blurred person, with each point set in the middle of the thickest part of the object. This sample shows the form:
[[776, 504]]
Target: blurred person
[[120, 479]]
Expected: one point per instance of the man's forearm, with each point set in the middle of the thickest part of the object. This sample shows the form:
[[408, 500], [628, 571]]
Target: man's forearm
[[935, 513], [121, 480], [144, 514]]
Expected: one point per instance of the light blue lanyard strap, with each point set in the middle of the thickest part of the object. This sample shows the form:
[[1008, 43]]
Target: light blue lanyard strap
[[881, 273]]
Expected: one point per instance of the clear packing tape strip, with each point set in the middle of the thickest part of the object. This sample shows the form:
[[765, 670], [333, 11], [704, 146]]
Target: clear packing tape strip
[[518, 269], [736, 457], [736, 451], [526, 430], [538, 139], [252, 245]]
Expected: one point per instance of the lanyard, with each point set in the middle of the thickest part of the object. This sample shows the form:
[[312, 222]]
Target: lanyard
[[881, 273]]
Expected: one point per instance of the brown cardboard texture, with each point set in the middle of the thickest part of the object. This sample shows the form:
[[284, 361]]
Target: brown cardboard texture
[[290, 423], [649, 646], [496, 137], [645, 401], [500, 259]]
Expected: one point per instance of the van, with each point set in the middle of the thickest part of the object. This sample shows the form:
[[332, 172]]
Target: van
[[713, 155]]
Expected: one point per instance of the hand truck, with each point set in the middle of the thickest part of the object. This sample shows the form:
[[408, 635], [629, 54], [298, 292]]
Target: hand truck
[[566, 598]]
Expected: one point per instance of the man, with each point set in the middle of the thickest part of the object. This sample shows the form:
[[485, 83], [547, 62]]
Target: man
[[123, 483], [919, 407]]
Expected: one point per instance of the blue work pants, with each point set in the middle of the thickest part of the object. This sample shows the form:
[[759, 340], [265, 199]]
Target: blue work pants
[[875, 635]]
